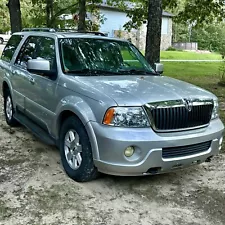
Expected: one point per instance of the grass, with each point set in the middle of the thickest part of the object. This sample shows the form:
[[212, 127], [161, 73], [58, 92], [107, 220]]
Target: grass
[[191, 68], [189, 55]]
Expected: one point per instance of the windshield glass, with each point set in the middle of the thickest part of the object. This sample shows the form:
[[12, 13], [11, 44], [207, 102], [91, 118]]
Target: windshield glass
[[89, 56]]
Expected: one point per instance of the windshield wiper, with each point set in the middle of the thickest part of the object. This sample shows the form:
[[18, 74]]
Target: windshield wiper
[[91, 72], [137, 72]]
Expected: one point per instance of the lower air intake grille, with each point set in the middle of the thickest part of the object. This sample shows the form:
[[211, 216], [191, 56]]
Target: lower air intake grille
[[185, 150]]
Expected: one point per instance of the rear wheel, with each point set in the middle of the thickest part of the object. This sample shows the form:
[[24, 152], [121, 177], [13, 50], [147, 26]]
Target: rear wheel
[[76, 152], [9, 110], [1, 41]]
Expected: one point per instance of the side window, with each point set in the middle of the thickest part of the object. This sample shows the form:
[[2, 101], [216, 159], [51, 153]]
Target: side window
[[37, 48], [11, 47], [26, 52]]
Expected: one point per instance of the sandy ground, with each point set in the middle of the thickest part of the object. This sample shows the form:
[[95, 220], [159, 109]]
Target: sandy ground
[[34, 190]]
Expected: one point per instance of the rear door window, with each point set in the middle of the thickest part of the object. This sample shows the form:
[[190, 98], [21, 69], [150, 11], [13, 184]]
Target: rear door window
[[11, 47]]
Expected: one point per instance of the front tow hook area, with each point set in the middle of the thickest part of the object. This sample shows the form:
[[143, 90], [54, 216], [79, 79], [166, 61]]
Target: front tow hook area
[[158, 170], [153, 171], [209, 159]]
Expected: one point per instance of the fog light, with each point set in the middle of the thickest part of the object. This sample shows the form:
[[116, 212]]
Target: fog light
[[129, 151]]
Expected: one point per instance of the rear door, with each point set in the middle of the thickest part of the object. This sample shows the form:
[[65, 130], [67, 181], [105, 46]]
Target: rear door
[[6, 68]]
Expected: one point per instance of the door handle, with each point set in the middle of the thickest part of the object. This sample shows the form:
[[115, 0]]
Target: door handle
[[31, 80]]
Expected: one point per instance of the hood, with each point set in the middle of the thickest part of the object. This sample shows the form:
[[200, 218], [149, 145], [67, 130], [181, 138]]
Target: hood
[[139, 90]]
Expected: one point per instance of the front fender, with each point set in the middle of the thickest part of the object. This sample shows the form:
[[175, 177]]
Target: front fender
[[75, 105], [83, 111]]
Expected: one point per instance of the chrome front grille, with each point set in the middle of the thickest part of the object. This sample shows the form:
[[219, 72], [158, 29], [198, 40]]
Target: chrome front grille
[[179, 115]]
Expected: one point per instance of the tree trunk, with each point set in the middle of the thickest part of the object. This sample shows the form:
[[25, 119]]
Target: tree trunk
[[49, 13], [15, 15], [153, 39], [82, 15]]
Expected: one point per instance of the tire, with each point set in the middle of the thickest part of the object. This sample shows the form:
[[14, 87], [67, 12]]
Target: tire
[[9, 110], [76, 151], [1, 41]]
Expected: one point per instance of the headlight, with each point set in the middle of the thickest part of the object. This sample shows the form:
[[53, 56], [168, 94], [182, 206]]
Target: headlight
[[215, 112], [126, 117]]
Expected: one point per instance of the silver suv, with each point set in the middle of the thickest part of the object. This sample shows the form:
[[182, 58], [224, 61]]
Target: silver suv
[[102, 104]]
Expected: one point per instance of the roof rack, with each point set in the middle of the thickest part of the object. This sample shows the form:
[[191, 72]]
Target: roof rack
[[66, 30], [92, 32], [39, 29], [81, 32], [44, 29]]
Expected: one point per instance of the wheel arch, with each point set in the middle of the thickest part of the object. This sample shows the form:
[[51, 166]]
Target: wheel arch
[[6, 91], [5, 87], [90, 132], [63, 116]]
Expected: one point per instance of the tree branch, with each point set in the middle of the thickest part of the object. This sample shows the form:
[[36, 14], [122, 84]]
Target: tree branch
[[60, 12]]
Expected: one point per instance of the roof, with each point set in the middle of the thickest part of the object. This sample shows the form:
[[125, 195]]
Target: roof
[[167, 14], [130, 5]]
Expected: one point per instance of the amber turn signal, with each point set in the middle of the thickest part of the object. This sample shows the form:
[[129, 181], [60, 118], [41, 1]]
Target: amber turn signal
[[109, 116]]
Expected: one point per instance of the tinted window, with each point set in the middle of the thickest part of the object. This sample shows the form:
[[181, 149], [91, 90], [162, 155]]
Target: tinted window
[[26, 52], [46, 50], [11, 47], [36, 48]]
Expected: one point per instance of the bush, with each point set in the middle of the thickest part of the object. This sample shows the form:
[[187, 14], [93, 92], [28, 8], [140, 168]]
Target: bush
[[171, 49], [174, 49]]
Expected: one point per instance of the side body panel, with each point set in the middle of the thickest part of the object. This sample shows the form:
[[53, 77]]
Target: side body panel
[[4, 74], [20, 81]]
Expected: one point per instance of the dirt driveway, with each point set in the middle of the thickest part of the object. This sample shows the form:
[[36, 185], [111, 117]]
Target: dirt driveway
[[35, 191]]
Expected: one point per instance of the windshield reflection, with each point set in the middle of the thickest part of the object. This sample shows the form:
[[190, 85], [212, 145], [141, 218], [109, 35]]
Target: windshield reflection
[[90, 56]]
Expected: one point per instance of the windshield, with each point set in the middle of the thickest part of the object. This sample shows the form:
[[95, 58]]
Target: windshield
[[88, 56]]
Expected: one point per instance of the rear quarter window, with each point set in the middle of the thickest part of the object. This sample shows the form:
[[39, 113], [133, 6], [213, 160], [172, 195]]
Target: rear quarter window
[[11, 47]]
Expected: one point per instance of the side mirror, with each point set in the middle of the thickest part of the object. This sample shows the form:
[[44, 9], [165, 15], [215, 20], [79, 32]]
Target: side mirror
[[159, 68], [40, 66]]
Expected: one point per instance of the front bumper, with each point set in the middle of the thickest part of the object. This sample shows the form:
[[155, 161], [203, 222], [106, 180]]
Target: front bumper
[[109, 143]]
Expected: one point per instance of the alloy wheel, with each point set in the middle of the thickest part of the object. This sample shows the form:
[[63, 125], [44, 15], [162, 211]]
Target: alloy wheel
[[73, 149], [9, 108]]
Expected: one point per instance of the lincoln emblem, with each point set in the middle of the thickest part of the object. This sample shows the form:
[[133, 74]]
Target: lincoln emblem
[[188, 104]]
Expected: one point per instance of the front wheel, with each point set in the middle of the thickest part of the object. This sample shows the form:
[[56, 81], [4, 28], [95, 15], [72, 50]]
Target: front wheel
[[76, 151], [1, 41]]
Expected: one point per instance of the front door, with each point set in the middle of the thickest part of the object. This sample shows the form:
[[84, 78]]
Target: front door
[[21, 77], [40, 95]]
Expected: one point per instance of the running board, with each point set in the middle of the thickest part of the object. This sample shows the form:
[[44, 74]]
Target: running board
[[34, 128]]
